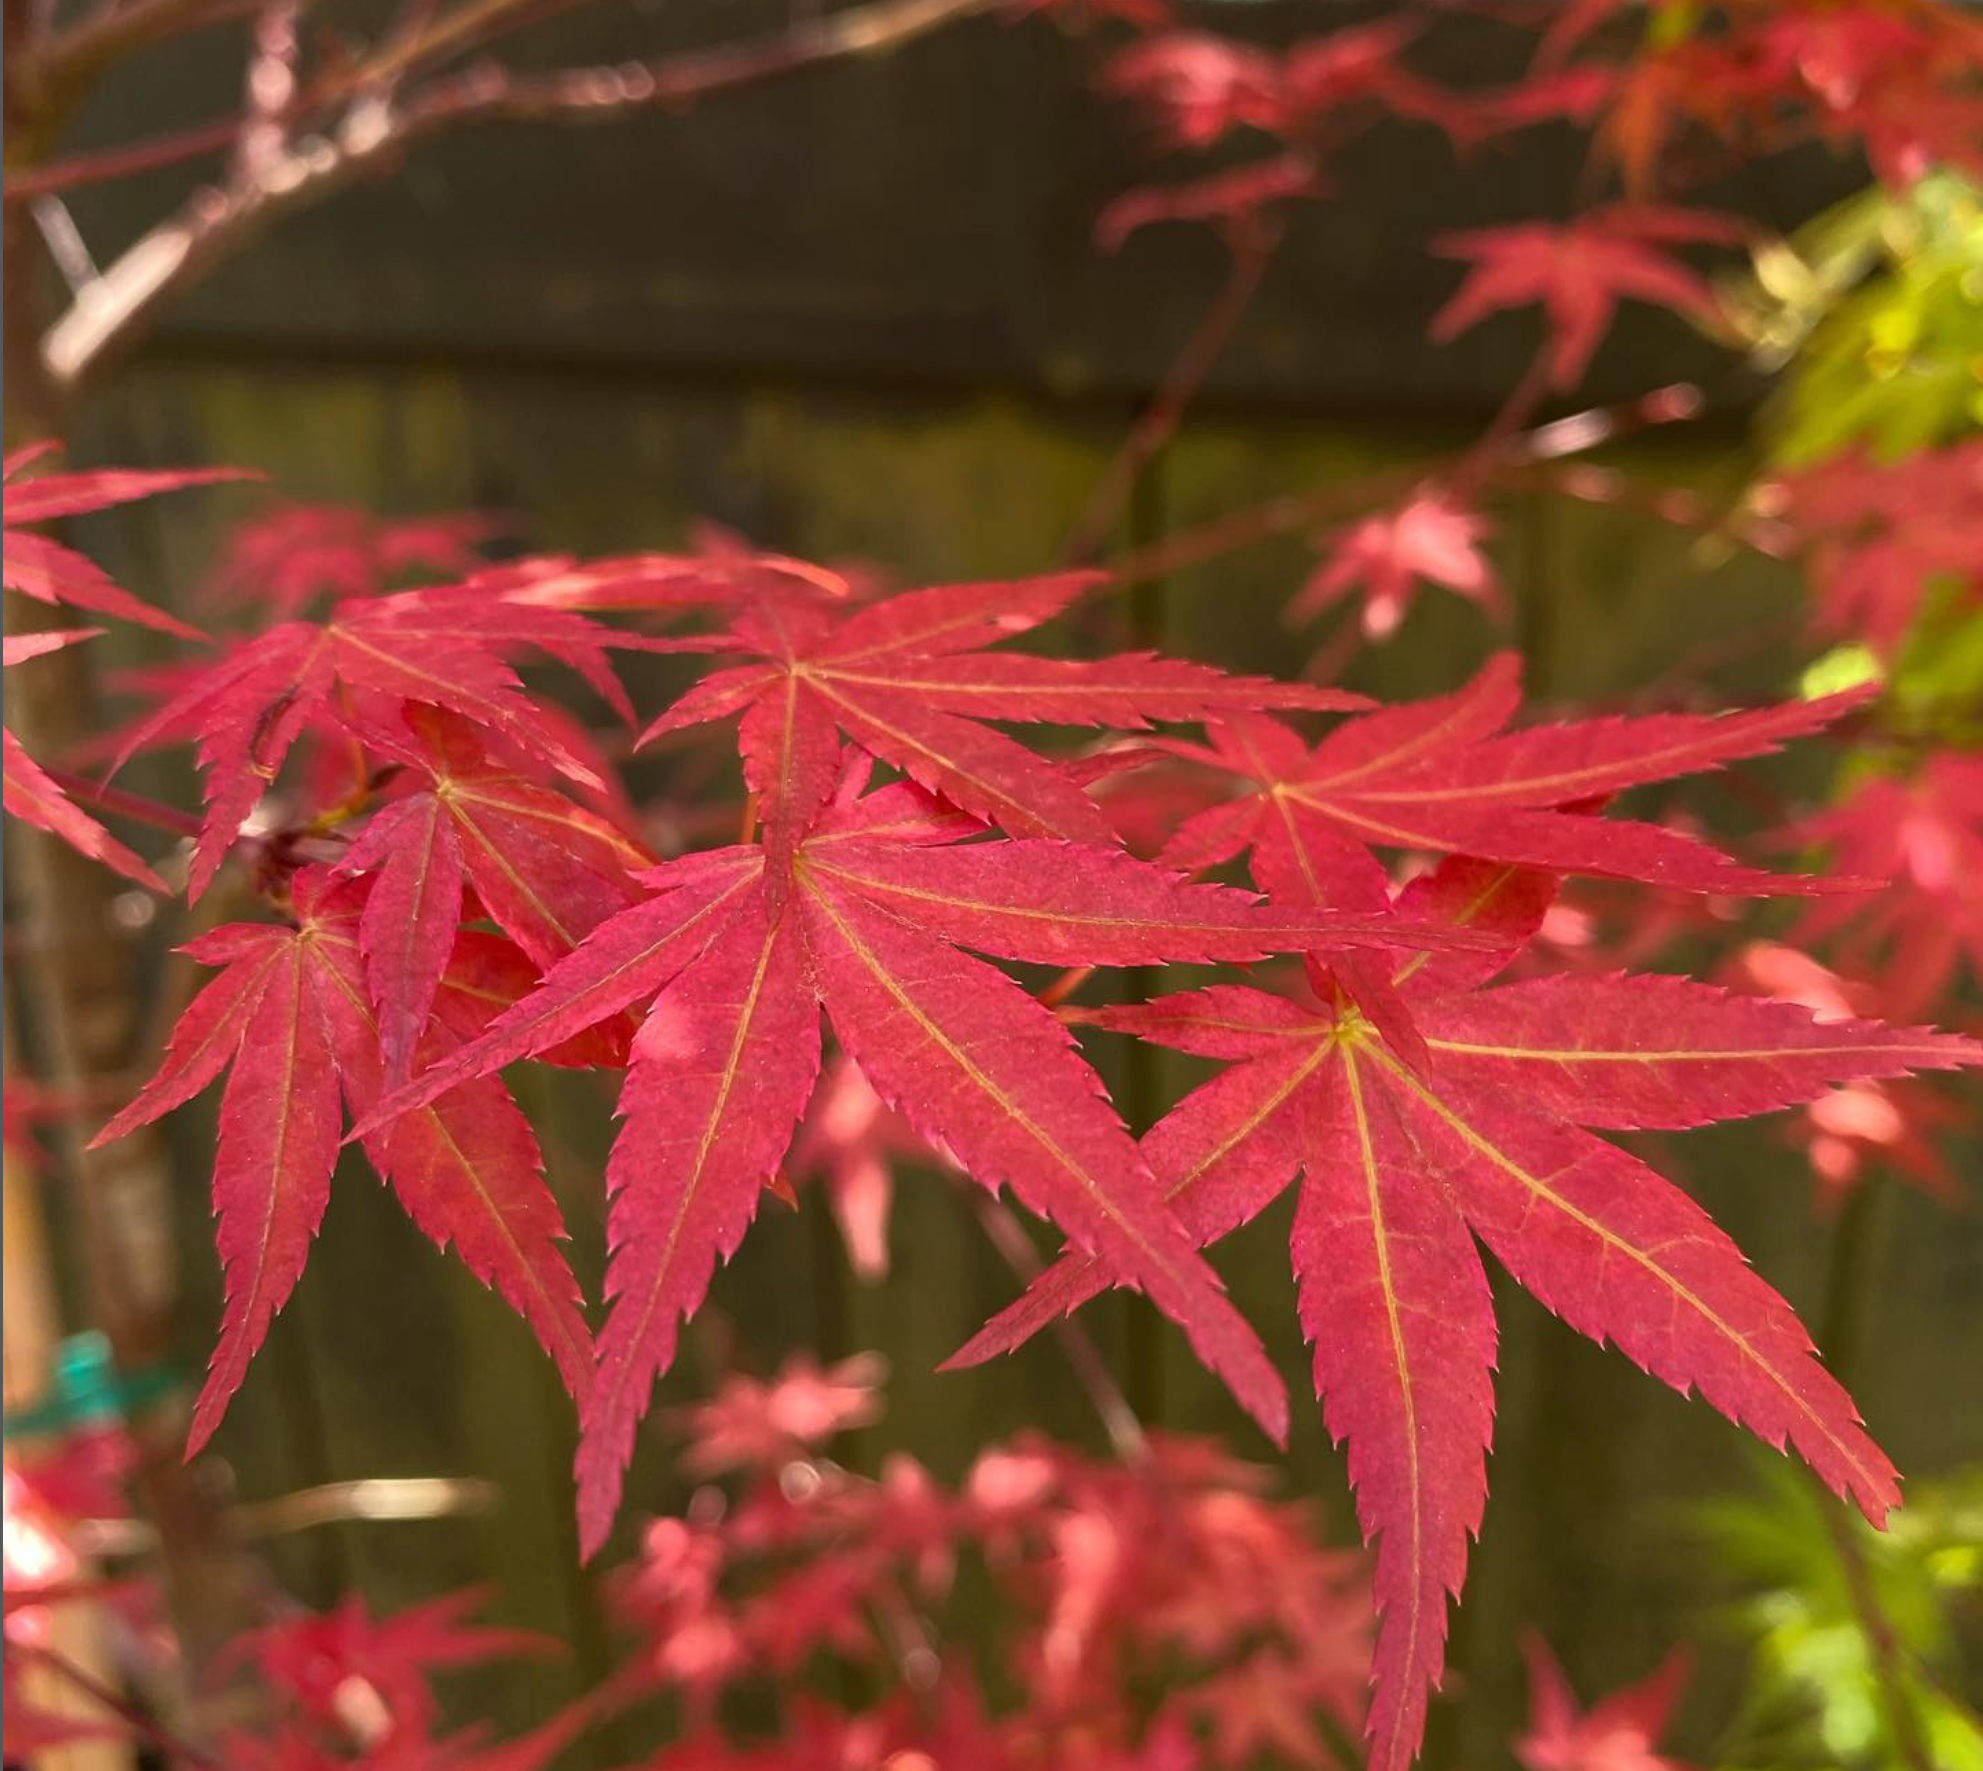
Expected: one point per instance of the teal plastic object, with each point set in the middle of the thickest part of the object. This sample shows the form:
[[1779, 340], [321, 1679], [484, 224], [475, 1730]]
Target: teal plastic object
[[89, 1391]]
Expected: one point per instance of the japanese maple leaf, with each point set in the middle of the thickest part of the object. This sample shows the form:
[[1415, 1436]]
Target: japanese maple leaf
[[1236, 199], [1424, 1110], [723, 569], [1574, 94], [283, 559], [1320, 76], [547, 870], [310, 1657], [34, 797], [871, 915], [849, 1138], [754, 1424], [1889, 1123], [1429, 537], [1617, 1733], [1879, 534], [291, 1015], [52, 573], [908, 681], [1925, 836], [1579, 271], [1194, 86], [444, 647], [1904, 86], [1444, 777]]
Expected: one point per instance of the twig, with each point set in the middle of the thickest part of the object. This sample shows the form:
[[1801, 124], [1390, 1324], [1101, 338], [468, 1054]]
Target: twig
[[1119, 1420], [148, 155], [133, 1716], [269, 91], [1289, 511], [1515, 413], [1252, 253], [219, 218], [369, 1499], [122, 804], [65, 243], [1846, 1281], [71, 58]]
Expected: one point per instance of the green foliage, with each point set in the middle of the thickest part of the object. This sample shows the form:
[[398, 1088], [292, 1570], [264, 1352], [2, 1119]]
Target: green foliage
[[1873, 311], [1848, 1625]]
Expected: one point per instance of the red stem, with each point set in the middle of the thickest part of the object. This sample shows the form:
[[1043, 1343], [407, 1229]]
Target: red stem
[[1252, 253], [120, 804]]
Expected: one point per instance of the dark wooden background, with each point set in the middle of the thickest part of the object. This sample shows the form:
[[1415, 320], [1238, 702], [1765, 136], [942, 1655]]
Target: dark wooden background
[[859, 314]]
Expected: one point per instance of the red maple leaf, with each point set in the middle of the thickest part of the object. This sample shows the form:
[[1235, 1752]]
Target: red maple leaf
[[1424, 1110], [722, 569], [1441, 776], [52, 573], [849, 1139], [1235, 199], [1429, 537], [313, 1658], [1904, 85], [908, 680], [1579, 271], [36, 798], [286, 557], [1888, 1123], [734, 955], [355, 1692], [757, 1425], [1925, 836], [1617, 1733], [548, 871], [1194, 86], [1880, 534], [290, 1013], [352, 673]]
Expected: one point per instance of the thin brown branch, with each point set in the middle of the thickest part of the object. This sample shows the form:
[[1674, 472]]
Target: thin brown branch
[[220, 218], [1291, 511], [1119, 1420], [138, 1720], [1252, 252], [70, 59], [270, 90], [1889, 1677], [149, 155], [121, 804]]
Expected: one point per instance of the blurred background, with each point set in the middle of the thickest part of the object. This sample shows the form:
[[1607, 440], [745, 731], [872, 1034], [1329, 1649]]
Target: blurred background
[[859, 314]]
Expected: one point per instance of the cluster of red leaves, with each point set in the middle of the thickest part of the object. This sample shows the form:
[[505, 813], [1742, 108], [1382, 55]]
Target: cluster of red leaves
[[1924, 834], [56, 575], [1424, 1110], [1432, 537], [1898, 80], [448, 907], [1879, 534], [352, 1692], [1892, 1123], [1309, 98], [1578, 272], [46, 1494], [1620, 1732], [1156, 1614], [291, 555], [343, 1691]]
